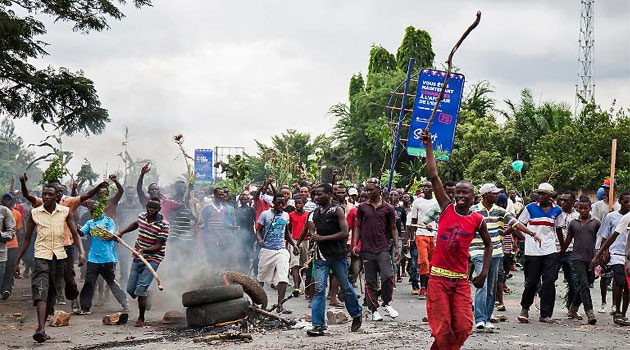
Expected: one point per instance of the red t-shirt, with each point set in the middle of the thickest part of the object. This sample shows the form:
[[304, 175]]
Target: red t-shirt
[[351, 219], [260, 206], [455, 232], [297, 221]]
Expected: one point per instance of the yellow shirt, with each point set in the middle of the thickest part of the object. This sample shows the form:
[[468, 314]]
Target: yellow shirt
[[72, 203], [51, 232]]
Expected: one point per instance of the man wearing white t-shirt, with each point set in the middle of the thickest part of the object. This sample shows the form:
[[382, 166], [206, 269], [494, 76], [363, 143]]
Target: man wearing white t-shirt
[[424, 238], [541, 260], [614, 234]]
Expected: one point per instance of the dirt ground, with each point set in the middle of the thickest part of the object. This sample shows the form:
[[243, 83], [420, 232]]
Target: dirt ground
[[17, 323]]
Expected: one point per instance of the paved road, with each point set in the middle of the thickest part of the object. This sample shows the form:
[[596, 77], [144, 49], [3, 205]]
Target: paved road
[[406, 332]]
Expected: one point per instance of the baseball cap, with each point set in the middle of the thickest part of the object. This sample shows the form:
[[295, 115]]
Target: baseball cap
[[7, 195], [545, 187], [607, 183], [353, 192], [489, 188]]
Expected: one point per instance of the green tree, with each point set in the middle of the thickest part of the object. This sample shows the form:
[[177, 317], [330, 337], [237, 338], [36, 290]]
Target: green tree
[[59, 97], [381, 61], [577, 156], [416, 44], [357, 85], [14, 157], [529, 122], [479, 99]]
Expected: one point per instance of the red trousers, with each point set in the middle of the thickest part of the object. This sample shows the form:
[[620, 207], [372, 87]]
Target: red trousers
[[449, 310]]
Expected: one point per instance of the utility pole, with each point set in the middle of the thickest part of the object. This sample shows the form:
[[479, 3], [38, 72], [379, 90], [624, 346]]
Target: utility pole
[[585, 86]]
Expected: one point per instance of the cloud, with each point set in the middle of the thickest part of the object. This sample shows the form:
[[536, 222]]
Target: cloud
[[226, 73]]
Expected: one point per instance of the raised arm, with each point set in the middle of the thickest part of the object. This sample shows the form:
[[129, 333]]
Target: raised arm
[[142, 197], [119, 190], [24, 190], [432, 173], [93, 192]]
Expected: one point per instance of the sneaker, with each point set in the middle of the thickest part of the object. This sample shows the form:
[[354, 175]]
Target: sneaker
[[602, 310], [75, 304], [489, 326], [422, 294], [574, 315], [356, 324], [389, 311], [547, 320], [61, 300], [523, 317], [376, 316], [5, 295], [619, 320], [591, 317], [500, 307], [415, 291], [126, 308], [316, 331], [480, 326], [613, 310]]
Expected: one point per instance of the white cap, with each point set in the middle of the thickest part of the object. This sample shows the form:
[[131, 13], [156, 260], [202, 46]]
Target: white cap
[[545, 187], [353, 192], [489, 188]]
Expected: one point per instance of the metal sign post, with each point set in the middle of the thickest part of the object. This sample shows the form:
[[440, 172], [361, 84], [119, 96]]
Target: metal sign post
[[400, 120]]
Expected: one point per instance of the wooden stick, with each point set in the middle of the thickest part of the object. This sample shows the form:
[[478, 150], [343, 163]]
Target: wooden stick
[[611, 191], [449, 62], [271, 315], [135, 253]]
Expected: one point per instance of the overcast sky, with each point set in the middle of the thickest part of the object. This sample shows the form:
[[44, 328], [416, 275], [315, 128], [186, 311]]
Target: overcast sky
[[224, 73]]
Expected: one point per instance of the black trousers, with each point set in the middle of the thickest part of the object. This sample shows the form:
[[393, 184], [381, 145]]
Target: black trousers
[[375, 263], [583, 278], [108, 271], [537, 267], [71, 288]]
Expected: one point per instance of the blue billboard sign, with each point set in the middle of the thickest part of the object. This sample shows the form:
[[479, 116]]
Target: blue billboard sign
[[442, 129], [203, 165]]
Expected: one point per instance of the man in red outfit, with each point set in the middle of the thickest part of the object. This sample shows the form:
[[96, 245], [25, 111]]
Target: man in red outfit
[[449, 303]]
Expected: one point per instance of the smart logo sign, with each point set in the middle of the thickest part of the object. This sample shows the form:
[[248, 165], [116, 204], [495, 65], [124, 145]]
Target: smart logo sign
[[442, 129]]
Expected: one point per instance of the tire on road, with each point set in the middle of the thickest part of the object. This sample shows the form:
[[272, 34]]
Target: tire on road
[[219, 312], [250, 287], [212, 295]]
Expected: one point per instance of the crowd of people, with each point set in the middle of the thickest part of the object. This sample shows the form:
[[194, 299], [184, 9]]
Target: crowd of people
[[333, 243]]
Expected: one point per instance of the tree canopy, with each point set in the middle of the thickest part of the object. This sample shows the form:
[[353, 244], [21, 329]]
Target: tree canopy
[[67, 100]]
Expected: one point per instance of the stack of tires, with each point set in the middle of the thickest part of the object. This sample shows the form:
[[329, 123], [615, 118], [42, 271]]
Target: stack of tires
[[207, 307]]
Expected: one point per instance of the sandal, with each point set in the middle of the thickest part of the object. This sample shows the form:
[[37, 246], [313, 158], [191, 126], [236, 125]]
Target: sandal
[[41, 336]]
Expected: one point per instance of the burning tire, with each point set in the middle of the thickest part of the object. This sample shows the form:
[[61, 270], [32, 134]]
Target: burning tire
[[219, 312], [212, 295], [251, 287]]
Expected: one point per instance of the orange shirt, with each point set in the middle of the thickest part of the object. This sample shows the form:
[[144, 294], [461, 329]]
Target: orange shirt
[[72, 203], [18, 226]]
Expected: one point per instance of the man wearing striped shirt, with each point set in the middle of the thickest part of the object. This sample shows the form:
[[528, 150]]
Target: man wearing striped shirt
[[541, 260], [495, 218], [153, 231]]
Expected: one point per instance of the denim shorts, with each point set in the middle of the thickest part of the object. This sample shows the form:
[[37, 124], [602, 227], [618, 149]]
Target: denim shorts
[[140, 278]]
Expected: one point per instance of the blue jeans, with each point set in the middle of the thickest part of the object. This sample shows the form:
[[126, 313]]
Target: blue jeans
[[3, 266], [567, 268], [339, 268], [486, 295], [140, 278], [414, 267]]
